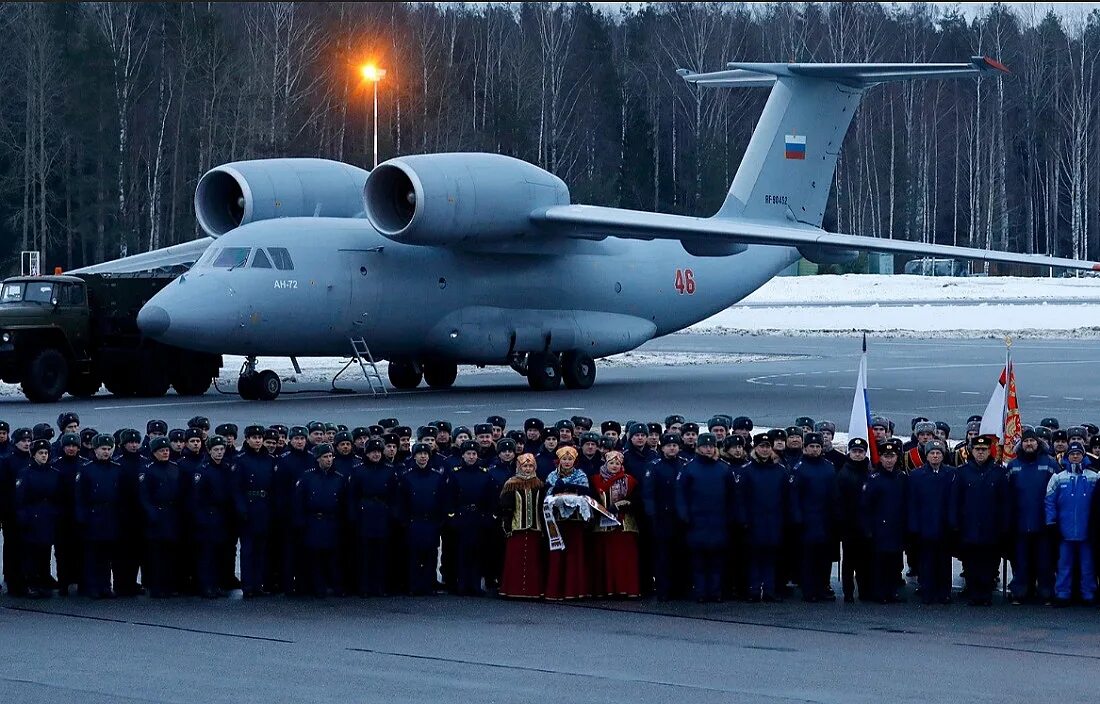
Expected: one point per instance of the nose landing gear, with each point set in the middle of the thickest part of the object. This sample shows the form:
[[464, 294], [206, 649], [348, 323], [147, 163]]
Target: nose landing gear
[[258, 386]]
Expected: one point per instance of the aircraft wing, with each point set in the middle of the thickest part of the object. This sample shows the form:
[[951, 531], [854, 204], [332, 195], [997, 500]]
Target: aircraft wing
[[184, 254], [595, 222]]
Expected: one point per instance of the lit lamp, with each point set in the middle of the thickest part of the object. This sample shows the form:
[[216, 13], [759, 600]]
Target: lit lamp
[[374, 74]]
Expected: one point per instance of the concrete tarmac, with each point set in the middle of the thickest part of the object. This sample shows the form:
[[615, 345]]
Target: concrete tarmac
[[815, 376]]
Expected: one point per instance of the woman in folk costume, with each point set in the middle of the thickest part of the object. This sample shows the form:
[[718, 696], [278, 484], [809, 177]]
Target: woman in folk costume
[[567, 570], [615, 548], [523, 576]]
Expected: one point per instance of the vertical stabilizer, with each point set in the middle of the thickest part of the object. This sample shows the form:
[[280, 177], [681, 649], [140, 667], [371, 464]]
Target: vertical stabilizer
[[787, 170]]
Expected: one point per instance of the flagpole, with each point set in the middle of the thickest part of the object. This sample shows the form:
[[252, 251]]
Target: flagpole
[[1004, 442]]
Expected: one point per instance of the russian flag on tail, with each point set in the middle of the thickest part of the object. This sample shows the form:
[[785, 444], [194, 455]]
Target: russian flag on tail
[[859, 425], [794, 146]]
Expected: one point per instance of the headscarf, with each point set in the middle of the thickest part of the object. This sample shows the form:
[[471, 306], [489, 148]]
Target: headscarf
[[567, 450], [525, 466], [615, 481]]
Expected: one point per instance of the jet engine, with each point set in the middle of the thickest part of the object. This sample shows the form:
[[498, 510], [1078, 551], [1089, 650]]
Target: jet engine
[[241, 192], [440, 199]]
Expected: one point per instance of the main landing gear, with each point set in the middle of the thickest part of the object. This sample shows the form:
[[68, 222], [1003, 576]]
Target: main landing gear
[[258, 386], [546, 371]]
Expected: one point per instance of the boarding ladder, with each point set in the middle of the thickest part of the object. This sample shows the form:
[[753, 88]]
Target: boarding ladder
[[361, 354]]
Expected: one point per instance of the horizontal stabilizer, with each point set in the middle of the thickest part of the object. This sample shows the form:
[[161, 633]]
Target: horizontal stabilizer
[[742, 74], [593, 222]]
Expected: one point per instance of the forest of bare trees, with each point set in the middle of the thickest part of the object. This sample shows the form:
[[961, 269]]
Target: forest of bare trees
[[110, 112]]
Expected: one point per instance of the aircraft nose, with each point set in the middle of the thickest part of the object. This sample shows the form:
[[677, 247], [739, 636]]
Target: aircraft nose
[[153, 320]]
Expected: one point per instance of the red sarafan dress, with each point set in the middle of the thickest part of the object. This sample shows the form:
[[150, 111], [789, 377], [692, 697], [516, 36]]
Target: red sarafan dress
[[524, 573], [567, 570], [615, 549]]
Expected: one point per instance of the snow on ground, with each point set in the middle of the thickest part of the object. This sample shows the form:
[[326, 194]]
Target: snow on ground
[[875, 288], [914, 306]]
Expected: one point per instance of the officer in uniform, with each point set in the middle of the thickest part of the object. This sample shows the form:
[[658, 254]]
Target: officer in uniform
[[37, 507], [470, 501], [706, 503], [532, 428], [962, 450], [177, 440], [255, 499], [498, 424], [372, 505], [855, 565], [827, 428], [689, 434], [923, 431], [1029, 475], [423, 508], [818, 497], [883, 509], [202, 424], [131, 544], [566, 432], [87, 440], [673, 423], [719, 427], [502, 468], [486, 450], [321, 498], [767, 503], [546, 458], [589, 460], [742, 425], [668, 542], [67, 548], [981, 507], [291, 465], [930, 490], [160, 490], [212, 510], [153, 429], [18, 457], [67, 422], [98, 495]]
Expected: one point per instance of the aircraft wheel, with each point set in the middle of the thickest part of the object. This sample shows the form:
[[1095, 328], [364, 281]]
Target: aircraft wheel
[[247, 387], [267, 385], [440, 375], [405, 375], [543, 371], [578, 370]]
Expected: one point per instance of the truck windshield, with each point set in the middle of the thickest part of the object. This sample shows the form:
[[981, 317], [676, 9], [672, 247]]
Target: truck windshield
[[29, 292]]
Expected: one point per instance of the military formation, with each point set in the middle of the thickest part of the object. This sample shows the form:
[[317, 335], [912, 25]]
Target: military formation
[[555, 510]]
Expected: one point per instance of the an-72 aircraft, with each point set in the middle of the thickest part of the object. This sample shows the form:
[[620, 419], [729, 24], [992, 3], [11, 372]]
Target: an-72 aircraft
[[436, 260]]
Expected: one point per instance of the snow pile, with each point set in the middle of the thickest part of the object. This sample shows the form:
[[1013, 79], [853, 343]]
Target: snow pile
[[915, 306], [881, 288]]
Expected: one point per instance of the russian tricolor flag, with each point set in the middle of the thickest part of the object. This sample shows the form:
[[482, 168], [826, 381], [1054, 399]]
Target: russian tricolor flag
[[794, 146], [859, 425]]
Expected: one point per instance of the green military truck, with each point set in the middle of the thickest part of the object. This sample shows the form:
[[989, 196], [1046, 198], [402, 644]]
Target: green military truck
[[72, 334]]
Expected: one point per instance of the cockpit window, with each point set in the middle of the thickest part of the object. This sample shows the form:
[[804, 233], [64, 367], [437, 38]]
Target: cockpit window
[[231, 258], [207, 257], [260, 261], [281, 257]]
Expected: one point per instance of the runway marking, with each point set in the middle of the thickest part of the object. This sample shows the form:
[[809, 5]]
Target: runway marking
[[1037, 396], [801, 386], [709, 619], [936, 391], [145, 624], [907, 390], [1072, 398], [458, 412], [971, 393], [820, 386], [1030, 651]]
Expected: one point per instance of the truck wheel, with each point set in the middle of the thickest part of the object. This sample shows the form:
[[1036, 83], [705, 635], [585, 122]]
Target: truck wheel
[[84, 385], [120, 387], [47, 376]]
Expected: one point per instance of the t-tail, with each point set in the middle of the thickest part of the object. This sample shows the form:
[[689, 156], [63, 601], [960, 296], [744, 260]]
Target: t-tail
[[788, 167]]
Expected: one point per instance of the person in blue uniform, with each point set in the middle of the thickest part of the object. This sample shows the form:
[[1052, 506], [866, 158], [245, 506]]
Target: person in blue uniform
[[1029, 474], [501, 469], [292, 464], [423, 508], [212, 508], [372, 505], [470, 502], [131, 544], [255, 500], [546, 455], [160, 490], [706, 504], [1069, 503], [883, 512], [930, 490], [589, 460], [767, 503], [18, 457], [321, 503], [818, 497], [37, 507], [981, 509], [98, 493], [67, 549], [660, 493], [855, 565]]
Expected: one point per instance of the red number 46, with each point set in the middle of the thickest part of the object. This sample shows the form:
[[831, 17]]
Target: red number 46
[[685, 281]]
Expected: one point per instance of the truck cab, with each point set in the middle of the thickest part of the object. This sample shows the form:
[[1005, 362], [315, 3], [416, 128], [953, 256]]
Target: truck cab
[[71, 334]]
